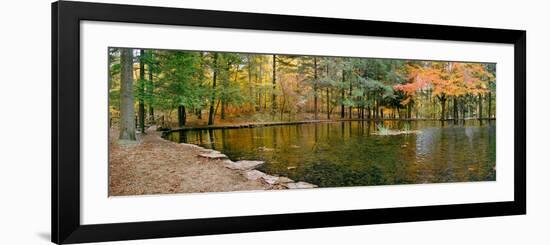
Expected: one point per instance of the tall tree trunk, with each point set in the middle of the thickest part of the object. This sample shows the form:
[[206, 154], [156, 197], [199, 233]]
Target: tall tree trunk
[[182, 116], [151, 88], [455, 109], [463, 103], [258, 93], [110, 86], [480, 105], [398, 113], [274, 84], [283, 106], [315, 87], [369, 115], [342, 108], [141, 106], [489, 104], [328, 103], [213, 94], [434, 107], [261, 88], [127, 123], [250, 86], [201, 81], [225, 84], [349, 96], [443, 100], [409, 110], [222, 114], [266, 95], [328, 93], [225, 102], [376, 105], [361, 114]]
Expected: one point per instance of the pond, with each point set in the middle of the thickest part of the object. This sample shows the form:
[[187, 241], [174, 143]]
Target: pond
[[348, 153]]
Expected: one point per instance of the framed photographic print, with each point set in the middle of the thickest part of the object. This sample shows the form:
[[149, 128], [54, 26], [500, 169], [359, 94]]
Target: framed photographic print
[[176, 122]]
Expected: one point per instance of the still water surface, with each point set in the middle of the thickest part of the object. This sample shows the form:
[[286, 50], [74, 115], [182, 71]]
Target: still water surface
[[349, 154]]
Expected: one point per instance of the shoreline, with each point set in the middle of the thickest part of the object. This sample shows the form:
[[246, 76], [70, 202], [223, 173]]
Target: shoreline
[[269, 124], [247, 168], [154, 165]]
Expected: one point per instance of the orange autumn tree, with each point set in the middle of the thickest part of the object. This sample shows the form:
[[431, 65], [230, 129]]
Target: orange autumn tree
[[444, 78], [478, 79], [437, 76], [447, 80], [415, 82]]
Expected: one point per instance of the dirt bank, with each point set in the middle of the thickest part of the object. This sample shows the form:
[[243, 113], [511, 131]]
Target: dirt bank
[[153, 165], [158, 166]]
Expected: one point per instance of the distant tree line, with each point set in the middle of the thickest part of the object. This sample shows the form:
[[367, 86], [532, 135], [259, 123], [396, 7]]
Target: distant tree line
[[165, 86]]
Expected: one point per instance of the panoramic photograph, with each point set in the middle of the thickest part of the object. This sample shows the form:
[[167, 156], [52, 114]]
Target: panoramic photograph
[[200, 121]]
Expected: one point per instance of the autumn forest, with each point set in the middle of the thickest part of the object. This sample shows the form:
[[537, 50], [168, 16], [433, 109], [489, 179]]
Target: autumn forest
[[177, 87], [296, 121]]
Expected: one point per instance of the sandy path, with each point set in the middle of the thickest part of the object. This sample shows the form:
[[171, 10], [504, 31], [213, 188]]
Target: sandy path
[[158, 166]]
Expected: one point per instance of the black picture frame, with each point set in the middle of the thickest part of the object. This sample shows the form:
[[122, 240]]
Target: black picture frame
[[66, 18]]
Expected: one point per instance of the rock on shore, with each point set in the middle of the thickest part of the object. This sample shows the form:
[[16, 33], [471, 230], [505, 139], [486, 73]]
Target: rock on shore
[[213, 155], [300, 185], [243, 164], [247, 168], [266, 178]]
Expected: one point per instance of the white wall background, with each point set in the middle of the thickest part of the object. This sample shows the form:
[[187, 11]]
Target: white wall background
[[25, 121]]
